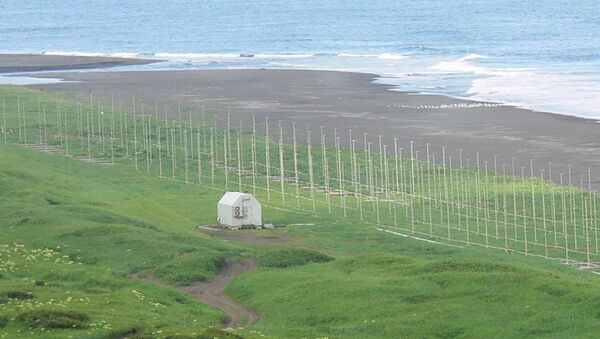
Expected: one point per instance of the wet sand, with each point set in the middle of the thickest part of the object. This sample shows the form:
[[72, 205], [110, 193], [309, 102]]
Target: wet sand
[[346, 100], [13, 63]]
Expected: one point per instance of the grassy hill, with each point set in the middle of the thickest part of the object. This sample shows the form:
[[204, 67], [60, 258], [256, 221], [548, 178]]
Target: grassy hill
[[73, 233]]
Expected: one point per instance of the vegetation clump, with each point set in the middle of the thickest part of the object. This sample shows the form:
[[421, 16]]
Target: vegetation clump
[[470, 266], [50, 319], [127, 332], [190, 268], [291, 257], [3, 320], [19, 295], [212, 333]]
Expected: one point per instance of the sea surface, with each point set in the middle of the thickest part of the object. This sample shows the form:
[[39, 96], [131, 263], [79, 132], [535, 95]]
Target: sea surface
[[542, 54]]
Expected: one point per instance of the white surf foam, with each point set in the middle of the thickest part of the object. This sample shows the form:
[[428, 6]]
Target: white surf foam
[[462, 65], [563, 93], [93, 54], [547, 92], [203, 57], [197, 56], [283, 55], [383, 56], [391, 56], [356, 55]]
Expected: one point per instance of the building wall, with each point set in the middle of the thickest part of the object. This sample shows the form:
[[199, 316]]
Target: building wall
[[248, 206]]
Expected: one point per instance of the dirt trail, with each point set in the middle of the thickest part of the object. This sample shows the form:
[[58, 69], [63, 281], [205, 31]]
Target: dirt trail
[[212, 292]]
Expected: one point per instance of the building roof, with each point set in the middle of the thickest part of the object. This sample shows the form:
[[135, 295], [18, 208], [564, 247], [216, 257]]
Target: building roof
[[231, 198]]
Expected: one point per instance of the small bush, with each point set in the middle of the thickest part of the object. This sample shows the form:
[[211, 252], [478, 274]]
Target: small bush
[[291, 257], [52, 201], [127, 332], [552, 289], [40, 283], [188, 269], [50, 319], [23, 221], [113, 219], [74, 275], [98, 231], [3, 320], [213, 333], [99, 285], [20, 295], [418, 299], [468, 266]]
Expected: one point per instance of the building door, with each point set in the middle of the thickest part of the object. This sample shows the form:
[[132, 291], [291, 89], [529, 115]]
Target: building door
[[247, 210]]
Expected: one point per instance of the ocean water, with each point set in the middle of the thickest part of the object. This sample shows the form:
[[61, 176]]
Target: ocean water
[[542, 54]]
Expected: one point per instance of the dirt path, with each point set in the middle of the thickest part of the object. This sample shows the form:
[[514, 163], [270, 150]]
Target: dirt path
[[212, 292]]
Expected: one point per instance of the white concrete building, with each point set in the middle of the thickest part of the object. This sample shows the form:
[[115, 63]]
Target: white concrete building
[[237, 210]]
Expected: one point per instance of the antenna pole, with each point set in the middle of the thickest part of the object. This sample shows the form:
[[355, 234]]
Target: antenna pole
[[310, 168], [524, 209], [564, 219], [239, 158], [198, 154], [267, 157], [281, 165], [544, 214], [295, 164], [253, 153], [412, 186]]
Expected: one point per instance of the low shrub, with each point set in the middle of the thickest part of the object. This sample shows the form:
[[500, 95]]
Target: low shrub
[[468, 266], [50, 319], [291, 257], [52, 201], [194, 267], [213, 333], [99, 285], [3, 320], [127, 332], [20, 295]]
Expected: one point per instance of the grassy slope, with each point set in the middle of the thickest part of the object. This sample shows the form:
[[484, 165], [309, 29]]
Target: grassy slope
[[392, 287], [107, 221], [111, 221]]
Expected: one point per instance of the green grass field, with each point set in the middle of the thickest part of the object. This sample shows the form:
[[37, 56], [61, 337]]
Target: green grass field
[[73, 233]]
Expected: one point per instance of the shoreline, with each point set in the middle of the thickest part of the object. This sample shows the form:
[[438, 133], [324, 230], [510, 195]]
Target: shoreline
[[354, 101], [21, 63], [71, 62]]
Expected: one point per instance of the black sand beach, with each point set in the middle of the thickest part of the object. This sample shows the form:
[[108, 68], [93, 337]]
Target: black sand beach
[[345, 101]]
